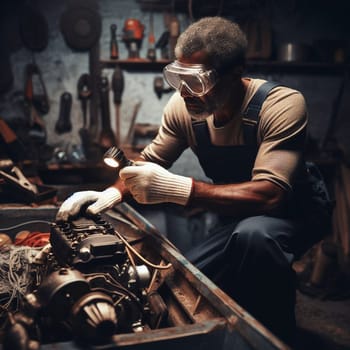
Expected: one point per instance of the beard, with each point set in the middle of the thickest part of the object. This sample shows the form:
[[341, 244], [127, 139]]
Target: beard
[[202, 107], [199, 108]]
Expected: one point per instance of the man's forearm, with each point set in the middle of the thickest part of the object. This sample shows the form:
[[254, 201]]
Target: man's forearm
[[247, 198]]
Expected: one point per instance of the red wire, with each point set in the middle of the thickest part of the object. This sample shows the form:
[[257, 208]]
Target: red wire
[[34, 239]]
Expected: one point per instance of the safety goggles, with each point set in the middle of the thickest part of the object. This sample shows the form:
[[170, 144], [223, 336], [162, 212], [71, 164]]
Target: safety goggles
[[197, 80]]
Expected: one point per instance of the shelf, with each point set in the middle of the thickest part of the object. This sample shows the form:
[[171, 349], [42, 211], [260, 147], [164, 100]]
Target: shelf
[[145, 65], [77, 173], [296, 67], [136, 65]]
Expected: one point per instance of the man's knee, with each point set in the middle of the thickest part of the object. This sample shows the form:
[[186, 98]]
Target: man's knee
[[250, 233], [256, 237]]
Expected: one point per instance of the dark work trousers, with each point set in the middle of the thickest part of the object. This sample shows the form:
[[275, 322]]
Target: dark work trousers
[[251, 261], [251, 258]]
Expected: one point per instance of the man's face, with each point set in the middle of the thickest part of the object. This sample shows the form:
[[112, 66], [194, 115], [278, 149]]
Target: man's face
[[198, 107], [201, 107]]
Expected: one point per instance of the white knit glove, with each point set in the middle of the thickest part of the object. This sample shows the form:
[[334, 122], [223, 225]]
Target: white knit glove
[[149, 183], [102, 201]]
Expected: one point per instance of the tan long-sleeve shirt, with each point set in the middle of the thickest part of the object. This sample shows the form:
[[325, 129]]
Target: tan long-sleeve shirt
[[281, 134]]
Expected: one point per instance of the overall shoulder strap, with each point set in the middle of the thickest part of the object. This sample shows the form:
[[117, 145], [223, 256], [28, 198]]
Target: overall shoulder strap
[[250, 117], [251, 114], [201, 132]]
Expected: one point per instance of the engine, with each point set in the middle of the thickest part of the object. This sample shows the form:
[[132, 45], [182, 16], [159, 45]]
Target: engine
[[89, 288]]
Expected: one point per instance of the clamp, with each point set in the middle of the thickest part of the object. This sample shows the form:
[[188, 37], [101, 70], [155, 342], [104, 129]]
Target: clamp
[[19, 180]]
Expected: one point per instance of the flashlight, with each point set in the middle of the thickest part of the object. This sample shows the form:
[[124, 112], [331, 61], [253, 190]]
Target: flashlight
[[115, 157]]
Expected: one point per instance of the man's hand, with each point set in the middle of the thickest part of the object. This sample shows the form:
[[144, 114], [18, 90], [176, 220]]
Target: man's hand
[[149, 183], [101, 201]]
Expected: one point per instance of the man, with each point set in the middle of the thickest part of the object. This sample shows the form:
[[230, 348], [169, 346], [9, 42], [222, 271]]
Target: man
[[250, 253]]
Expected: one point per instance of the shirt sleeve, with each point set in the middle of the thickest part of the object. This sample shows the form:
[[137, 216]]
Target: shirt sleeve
[[171, 139], [282, 136]]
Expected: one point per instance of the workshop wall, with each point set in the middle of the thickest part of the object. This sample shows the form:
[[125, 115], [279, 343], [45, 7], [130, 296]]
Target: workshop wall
[[61, 66]]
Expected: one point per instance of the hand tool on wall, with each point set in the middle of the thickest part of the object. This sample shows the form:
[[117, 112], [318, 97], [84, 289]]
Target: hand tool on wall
[[94, 105], [162, 44], [81, 26], [114, 49], [84, 93], [34, 34], [151, 52], [130, 135], [63, 123], [13, 147], [118, 88], [107, 138], [133, 35], [35, 89], [174, 32], [33, 29], [37, 130], [158, 87]]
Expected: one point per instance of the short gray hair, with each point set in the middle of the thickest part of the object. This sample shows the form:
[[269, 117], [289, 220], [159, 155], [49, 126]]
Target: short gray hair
[[223, 41]]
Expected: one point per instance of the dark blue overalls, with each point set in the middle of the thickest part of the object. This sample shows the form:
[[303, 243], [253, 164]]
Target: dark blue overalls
[[249, 258]]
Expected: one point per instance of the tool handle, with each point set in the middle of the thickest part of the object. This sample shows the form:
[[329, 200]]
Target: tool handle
[[28, 87], [151, 38], [104, 96], [84, 93], [84, 86], [63, 123], [114, 49], [6, 132], [39, 98], [130, 135], [163, 40], [117, 84]]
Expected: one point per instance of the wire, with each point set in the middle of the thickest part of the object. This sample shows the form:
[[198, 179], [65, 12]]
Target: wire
[[159, 267], [110, 280], [15, 274], [24, 223], [130, 257], [119, 300], [153, 279], [33, 239]]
